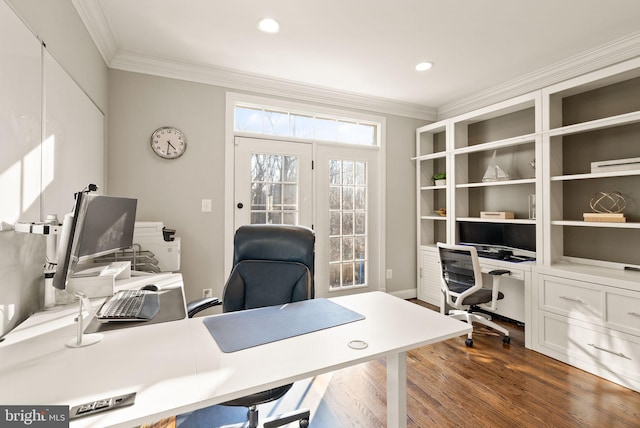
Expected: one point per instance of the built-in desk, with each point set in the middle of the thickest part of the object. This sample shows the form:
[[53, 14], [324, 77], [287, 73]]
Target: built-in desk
[[176, 367], [516, 287]]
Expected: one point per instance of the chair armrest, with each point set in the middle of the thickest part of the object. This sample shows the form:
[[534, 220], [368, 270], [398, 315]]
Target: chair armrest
[[495, 291], [201, 304]]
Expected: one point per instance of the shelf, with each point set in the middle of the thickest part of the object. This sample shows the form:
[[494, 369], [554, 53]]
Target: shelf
[[430, 156], [581, 223], [432, 217], [593, 125], [595, 175], [498, 183], [490, 220], [434, 188], [495, 145]]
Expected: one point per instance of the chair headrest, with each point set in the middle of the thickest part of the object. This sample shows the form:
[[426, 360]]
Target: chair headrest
[[275, 242]]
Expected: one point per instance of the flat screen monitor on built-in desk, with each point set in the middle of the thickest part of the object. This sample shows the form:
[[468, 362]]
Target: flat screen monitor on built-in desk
[[508, 241], [97, 226]]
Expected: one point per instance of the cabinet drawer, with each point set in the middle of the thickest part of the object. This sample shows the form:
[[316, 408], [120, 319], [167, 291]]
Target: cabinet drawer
[[607, 353], [623, 311], [577, 300]]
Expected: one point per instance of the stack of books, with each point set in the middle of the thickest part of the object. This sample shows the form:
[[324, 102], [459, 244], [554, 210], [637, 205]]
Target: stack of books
[[605, 217]]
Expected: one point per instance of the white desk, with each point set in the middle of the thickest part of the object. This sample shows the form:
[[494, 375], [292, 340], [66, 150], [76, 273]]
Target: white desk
[[176, 367]]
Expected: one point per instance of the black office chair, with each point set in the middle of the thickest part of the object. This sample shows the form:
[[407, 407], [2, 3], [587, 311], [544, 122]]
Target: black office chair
[[272, 265], [462, 286]]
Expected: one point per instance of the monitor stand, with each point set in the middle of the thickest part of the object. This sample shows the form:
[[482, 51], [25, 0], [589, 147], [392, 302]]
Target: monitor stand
[[98, 280], [81, 339]]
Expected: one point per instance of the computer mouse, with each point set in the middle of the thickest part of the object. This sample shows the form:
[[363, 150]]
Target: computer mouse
[[150, 287]]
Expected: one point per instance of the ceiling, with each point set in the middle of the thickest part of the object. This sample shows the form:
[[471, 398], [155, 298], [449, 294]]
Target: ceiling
[[369, 48]]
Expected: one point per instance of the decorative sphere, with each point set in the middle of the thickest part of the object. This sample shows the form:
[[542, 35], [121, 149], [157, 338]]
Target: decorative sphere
[[607, 202]]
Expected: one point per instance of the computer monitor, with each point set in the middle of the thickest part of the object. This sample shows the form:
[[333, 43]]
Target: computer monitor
[[474, 233], [519, 236], [511, 236], [97, 226]]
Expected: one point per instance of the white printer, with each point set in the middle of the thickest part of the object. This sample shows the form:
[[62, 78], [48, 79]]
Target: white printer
[[155, 237]]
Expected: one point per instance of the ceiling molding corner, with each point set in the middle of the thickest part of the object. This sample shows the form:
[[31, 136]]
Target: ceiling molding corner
[[238, 80], [622, 49], [97, 25]]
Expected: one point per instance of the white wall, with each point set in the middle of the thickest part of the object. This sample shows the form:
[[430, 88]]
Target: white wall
[[58, 25], [171, 191]]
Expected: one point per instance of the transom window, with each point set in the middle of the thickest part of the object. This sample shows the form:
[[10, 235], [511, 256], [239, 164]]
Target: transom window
[[263, 120]]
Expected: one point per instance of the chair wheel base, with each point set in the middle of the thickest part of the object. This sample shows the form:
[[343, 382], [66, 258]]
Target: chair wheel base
[[304, 423], [506, 340], [469, 342]]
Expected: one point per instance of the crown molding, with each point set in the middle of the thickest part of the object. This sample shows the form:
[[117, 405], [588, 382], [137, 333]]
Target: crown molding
[[239, 80], [619, 50], [97, 24]]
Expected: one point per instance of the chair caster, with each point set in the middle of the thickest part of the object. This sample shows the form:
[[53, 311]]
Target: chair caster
[[469, 342], [304, 423], [506, 340]]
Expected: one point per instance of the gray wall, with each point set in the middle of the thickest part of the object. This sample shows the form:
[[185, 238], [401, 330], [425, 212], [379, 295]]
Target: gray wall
[[134, 106], [22, 256], [171, 191]]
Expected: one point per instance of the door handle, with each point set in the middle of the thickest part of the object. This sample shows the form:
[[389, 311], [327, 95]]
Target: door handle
[[240, 205]]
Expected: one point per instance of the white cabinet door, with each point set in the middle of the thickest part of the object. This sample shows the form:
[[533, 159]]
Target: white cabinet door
[[429, 284]]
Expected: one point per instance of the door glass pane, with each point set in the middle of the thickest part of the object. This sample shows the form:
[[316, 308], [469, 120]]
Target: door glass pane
[[347, 223], [334, 223], [274, 168], [258, 167], [274, 189], [291, 169], [290, 195], [258, 197], [335, 172], [334, 249], [334, 198]]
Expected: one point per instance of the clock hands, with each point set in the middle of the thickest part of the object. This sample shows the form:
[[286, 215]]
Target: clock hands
[[170, 145]]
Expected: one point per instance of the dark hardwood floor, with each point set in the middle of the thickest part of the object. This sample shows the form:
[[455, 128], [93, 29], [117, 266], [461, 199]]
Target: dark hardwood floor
[[489, 385], [451, 385]]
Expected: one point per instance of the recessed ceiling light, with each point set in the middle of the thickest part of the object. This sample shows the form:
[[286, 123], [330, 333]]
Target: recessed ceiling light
[[424, 66], [268, 25]]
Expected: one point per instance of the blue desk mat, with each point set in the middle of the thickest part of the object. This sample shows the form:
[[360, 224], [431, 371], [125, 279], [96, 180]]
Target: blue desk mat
[[234, 331]]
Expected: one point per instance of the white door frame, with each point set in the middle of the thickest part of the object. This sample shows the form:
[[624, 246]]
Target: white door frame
[[231, 100]]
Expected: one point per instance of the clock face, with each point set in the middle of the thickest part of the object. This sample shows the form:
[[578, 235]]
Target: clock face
[[168, 142]]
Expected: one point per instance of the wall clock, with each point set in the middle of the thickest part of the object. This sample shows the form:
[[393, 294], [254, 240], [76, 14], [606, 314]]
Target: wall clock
[[168, 142]]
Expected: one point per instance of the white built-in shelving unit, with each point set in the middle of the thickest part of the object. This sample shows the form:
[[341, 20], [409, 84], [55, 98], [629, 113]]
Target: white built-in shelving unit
[[583, 294]]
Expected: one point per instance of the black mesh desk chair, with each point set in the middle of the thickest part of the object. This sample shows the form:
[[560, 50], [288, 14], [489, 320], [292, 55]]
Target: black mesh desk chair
[[462, 286], [272, 265]]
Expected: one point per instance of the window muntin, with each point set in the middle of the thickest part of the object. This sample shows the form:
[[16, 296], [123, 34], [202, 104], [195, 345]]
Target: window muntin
[[347, 224], [274, 189], [268, 121]]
